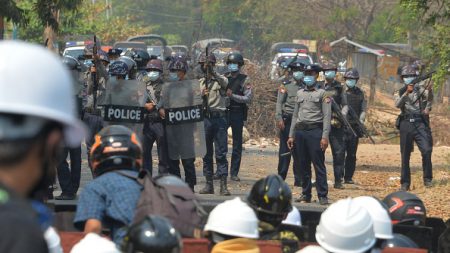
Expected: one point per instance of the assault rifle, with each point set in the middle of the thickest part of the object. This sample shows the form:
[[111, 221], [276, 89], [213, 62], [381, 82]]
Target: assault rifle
[[207, 81], [418, 80], [362, 129], [341, 117], [94, 73]]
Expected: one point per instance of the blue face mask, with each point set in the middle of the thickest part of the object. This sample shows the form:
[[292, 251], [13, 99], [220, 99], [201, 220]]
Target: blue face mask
[[173, 76], [408, 80], [153, 75], [88, 63], [350, 83], [330, 74], [309, 80], [233, 67], [298, 75]]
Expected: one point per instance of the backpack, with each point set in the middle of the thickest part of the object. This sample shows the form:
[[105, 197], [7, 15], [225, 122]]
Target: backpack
[[178, 204]]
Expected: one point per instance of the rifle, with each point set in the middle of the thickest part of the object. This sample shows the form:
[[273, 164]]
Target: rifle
[[94, 73], [418, 80], [341, 117], [206, 76], [361, 127]]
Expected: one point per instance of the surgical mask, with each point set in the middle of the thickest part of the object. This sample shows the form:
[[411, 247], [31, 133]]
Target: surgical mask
[[330, 74], [173, 76], [88, 63], [153, 75], [309, 80], [233, 67], [298, 75], [408, 80], [350, 83]]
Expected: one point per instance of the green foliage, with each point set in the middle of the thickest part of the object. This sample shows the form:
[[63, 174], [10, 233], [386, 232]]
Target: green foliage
[[12, 12]]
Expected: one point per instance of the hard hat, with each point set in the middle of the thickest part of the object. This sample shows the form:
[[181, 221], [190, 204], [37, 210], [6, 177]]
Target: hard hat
[[43, 92], [152, 234], [345, 227], [233, 218], [351, 73], [293, 217], [399, 241], [312, 249], [155, 64], [405, 207], [53, 240], [94, 243], [382, 224]]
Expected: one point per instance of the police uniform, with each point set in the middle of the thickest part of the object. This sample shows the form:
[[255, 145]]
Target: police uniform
[[334, 90], [414, 126], [311, 123], [241, 97], [216, 125], [154, 130], [357, 102], [286, 98]]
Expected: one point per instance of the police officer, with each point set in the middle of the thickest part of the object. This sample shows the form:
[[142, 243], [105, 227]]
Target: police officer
[[283, 115], [414, 101], [357, 105], [334, 90], [309, 131], [153, 123], [141, 57], [240, 93], [214, 88]]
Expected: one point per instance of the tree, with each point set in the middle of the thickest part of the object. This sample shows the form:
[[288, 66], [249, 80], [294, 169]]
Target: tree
[[10, 12]]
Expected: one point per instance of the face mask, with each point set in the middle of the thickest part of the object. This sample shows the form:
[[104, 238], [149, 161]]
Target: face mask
[[233, 67], [350, 83], [173, 76], [408, 80], [309, 80], [153, 75], [298, 75], [330, 74], [88, 63]]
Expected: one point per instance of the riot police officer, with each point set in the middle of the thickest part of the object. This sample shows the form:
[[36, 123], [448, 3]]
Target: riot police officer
[[309, 131], [240, 93], [141, 57], [414, 101], [334, 90], [283, 115], [357, 106], [214, 87], [153, 123]]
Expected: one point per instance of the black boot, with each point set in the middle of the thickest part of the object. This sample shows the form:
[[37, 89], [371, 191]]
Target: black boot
[[223, 186], [209, 187]]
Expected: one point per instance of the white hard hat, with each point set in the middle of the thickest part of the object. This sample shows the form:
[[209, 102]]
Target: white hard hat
[[345, 228], [42, 91], [234, 218], [294, 218], [312, 249], [382, 223], [93, 243], [53, 240]]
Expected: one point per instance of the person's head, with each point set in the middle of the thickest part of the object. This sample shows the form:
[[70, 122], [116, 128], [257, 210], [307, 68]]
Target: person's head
[[234, 61], [114, 53], [116, 147], [406, 208], [408, 74], [37, 116], [103, 56], [203, 60], [177, 70], [271, 199], [345, 227], [297, 67], [118, 69], [399, 241], [140, 56], [94, 243], [155, 69], [351, 77], [232, 219], [382, 224], [152, 234], [131, 66], [311, 74], [329, 71]]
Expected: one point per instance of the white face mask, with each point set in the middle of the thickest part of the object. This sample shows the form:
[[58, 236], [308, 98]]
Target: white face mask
[[153, 75], [173, 76]]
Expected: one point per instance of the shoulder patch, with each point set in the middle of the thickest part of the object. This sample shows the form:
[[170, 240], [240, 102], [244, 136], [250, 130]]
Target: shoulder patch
[[248, 86], [327, 100], [282, 89]]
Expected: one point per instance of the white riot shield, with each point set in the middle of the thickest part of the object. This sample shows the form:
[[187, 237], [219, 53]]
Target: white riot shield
[[123, 102], [185, 131]]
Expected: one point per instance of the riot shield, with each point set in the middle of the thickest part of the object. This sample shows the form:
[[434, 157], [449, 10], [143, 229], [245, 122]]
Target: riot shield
[[185, 131], [123, 104]]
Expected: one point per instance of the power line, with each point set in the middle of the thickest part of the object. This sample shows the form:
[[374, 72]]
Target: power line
[[159, 13]]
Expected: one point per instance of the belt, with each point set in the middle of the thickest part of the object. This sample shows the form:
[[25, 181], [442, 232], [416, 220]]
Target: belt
[[413, 117], [310, 126], [153, 118], [215, 114]]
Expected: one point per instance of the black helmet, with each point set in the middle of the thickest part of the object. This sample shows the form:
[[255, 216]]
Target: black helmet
[[313, 67], [114, 52], [297, 64], [409, 70], [118, 68], [71, 63], [399, 241], [141, 57], [405, 207], [103, 56], [178, 64], [152, 234], [351, 73], [115, 147], [211, 58], [329, 66], [271, 197], [235, 57]]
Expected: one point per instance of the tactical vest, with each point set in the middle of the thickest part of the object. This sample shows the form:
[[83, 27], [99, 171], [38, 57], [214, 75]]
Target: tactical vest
[[355, 97], [236, 85], [334, 90]]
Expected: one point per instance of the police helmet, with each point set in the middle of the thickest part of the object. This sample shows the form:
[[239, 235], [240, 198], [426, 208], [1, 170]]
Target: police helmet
[[71, 63], [155, 64], [178, 65], [297, 65], [409, 70], [115, 147], [118, 68], [313, 68], [399, 241], [211, 58], [405, 207], [152, 234], [329, 66], [141, 57], [351, 73], [271, 197], [235, 57], [103, 56], [114, 52]]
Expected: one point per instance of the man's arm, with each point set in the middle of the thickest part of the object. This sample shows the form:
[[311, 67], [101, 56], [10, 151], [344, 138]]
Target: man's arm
[[344, 103], [93, 226], [294, 120], [400, 100], [280, 100], [247, 97], [91, 209], [362, 116], [222, 80], [326, 111]]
